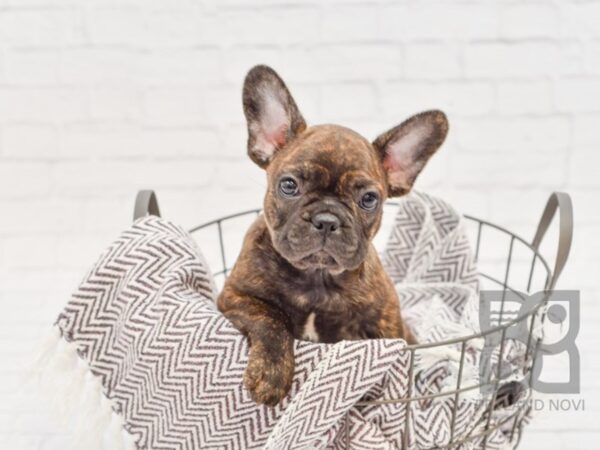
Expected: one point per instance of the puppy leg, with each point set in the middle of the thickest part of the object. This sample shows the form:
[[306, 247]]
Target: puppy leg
[[270, 369], [409, 337]]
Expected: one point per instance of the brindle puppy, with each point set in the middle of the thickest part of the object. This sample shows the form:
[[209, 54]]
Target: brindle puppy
[[307, 268]]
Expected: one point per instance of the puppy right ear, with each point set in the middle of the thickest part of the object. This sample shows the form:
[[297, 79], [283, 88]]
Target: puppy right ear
[[271, 113]]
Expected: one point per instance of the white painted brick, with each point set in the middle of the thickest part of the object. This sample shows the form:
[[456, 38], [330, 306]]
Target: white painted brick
[[75, 252], [75, 179], [584, 201], [342, 62], [348, 101], [586, 131], [191, 208], [584, 261], [593, 56], [31, 66], [24, 179], [510, 207], [573, 58], [124, 25], [269, 26], [175, 105], [529, 20], [39, 3], [439, 20], [169, 26], [43, 104], [19, 140], [30, 252], [432, 60], [145, 26], [435, 174], [234, 139], [350, 23], [41, 300], [8, 439], [495, 170], [202, 66], [468, 201], [455, 98], [109, 214], [269, 3], [524, 97], [578, 94], [116, 103], [580, 19], [301, 64], [101, 140], [2, 69], [550, 135], [101, 65], [122, 141], [526, 59], [223, 106], [175, 143], [241, 59], [49, 27], [355, 62], [583, 171], [308, 99], [242, 174], [40, 216]]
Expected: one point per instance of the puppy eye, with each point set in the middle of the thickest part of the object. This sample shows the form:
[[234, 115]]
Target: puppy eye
[[288, 187], [369, 201]]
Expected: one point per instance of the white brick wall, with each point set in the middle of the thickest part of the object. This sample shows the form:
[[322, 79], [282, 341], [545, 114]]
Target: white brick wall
[[101, 98]]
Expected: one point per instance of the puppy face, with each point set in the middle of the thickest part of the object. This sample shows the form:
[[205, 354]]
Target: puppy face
[[324, 198], [326, 183]]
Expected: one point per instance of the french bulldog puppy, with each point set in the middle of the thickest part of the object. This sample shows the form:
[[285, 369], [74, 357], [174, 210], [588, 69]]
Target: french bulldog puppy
[[308, 269]]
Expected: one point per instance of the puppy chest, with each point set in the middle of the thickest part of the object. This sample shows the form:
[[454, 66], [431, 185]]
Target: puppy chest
[[330, 315], [309, 330], [318, 326]]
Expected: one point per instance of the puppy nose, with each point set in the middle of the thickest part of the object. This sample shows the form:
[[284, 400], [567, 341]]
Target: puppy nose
[[325, 222]]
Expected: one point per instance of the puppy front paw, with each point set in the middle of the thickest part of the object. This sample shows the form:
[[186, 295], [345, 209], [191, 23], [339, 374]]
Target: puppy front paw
[[269, 375]]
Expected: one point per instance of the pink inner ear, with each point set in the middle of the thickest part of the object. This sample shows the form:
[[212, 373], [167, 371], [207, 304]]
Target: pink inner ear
[[391, 164], [397, 172], [274, 120], [268, 141], [278, 136]]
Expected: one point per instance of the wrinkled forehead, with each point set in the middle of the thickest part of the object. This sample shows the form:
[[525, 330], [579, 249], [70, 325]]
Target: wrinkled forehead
[[334, 147]]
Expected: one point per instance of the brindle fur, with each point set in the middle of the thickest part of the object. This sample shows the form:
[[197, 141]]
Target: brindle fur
[[280, 278]]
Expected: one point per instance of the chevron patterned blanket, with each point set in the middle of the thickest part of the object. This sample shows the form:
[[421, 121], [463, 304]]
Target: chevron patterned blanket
[[163, 368]]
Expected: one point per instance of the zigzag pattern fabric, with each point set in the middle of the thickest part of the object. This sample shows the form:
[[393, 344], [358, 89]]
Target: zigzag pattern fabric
[[145, 321]]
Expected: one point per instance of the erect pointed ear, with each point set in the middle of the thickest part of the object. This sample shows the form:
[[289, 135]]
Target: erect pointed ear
[[406, 148], [271, 113]]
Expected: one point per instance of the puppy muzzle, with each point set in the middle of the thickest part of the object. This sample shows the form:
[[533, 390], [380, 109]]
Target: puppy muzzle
[[322, 238]]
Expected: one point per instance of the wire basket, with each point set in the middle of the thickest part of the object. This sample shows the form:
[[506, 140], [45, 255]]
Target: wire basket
[[513, 265]]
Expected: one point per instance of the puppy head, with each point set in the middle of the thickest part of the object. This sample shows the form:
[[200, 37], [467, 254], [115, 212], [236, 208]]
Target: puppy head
[[326, 183]]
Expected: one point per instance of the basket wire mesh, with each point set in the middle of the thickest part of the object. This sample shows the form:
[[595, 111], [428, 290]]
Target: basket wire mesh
[[540, 277]]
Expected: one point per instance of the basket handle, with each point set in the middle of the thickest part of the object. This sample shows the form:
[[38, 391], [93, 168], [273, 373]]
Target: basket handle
[[562, 202], [145, 204]]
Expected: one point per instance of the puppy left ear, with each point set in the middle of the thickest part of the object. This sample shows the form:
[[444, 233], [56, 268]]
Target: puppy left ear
[[271, 113], [406, 148]]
